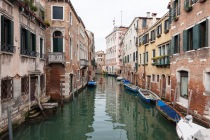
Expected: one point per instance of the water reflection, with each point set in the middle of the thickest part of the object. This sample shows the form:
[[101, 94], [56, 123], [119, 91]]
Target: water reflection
[[107, 112]]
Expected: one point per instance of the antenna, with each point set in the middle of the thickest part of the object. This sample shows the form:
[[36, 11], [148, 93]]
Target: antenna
[[121, 17], [114, 22]]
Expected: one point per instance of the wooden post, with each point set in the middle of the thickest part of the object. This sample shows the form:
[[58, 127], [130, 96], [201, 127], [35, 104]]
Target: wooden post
[[61, 94], [189, 100], [175, 96], [9, 122]]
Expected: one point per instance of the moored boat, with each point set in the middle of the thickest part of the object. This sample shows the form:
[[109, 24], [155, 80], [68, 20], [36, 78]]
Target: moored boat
[[92, 83], [167, 111], [147, 95], [131, 87], [119, 78], [124, 81], [187, 130]]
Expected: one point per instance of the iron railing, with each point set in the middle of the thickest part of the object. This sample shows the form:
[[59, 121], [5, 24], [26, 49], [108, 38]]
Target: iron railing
[[165, 61], [7, 48], [29, 53]]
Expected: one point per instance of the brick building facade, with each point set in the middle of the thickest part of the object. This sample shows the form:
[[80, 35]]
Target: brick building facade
[[190, 67], [67, 47]]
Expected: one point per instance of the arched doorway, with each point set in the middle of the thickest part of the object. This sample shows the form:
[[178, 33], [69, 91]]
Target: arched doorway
[[57, 41]]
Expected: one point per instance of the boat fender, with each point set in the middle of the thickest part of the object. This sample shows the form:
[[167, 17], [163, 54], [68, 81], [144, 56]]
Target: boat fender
[[189, 118]]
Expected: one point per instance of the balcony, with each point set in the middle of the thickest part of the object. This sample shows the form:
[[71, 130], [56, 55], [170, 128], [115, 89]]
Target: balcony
[[6, 48], [56, 57], [83, 63], [162, 61]]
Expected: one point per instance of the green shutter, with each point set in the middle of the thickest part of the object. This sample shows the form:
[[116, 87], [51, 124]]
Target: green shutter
[[34, 42], [21, 44], [60, 45], [178, 44], [207, 33], [160, 28], [186, 4], [11, 33], [174, 9], [172, 45], [196, 37], [2, 29], [185, 44], [28, 40], [170, 16], [169, 49], [178, 6]]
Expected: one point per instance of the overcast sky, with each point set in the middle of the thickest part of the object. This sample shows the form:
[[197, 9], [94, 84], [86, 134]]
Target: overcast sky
[[98, 15]]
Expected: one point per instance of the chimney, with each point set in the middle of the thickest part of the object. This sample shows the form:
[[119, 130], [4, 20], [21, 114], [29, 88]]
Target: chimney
[[154, 18], [148, 14]]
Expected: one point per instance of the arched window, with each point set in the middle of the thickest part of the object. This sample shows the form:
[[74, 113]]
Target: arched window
[[57, 41]]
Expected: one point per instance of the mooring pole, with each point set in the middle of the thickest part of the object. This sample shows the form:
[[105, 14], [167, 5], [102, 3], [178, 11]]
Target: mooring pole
[[61, 94], [9, 122]]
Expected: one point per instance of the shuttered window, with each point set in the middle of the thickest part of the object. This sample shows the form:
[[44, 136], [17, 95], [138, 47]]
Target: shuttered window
[[175, 44], [57, 12], [57, 41], [28, 43]]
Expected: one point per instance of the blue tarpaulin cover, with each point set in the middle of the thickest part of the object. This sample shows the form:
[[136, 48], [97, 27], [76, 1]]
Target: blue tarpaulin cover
[[170, 112]]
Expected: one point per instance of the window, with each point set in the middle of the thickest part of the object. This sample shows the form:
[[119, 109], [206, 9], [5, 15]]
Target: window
[[152, 35], [159, 30], [157, 78], [28, 43], [139, 58], [207, 83], [153, 77], [153, 55], [57, 13], [7, 35], [41, 48], [196, 37], [70, 18], [176, 9], [57, 41], [184, 84], [71, 46], [146, 58], [188, 4], [146, 38], [144, 23], [24, 85], [134, 56], [166, 26], [169, 80], [6, 89], [175, 44]]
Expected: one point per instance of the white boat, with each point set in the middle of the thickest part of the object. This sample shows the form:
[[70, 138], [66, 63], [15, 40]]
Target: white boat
[[119, 78], [187, 130]]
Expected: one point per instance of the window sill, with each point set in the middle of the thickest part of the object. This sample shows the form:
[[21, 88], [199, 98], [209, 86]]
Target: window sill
[[26, 56], [42, 59], [189, 51], [152, 41], [146, 44], [176, 54], [159, 35], [166, 31], [6, 53]]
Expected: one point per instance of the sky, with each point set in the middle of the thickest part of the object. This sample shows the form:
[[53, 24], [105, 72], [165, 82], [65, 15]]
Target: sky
[[98, 15]]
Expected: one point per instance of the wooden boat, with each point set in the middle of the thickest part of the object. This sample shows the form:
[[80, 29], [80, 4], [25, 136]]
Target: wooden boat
[[187, 130], [123, 82], [168, 111], [119, 78], [92, 83], [147, 95], [49, 105], [131, 87]]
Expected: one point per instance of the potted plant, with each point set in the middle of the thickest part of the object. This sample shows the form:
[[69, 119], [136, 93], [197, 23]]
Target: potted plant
[[188, 8], [46, 22], [176, 18]]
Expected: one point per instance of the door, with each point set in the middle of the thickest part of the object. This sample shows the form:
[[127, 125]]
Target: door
[[184, 84], [71, 83], [148, 82], [163, 90], [33, 87]]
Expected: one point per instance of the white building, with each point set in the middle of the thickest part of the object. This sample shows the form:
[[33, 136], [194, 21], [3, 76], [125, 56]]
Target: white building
[[113, 50], [138, 26]]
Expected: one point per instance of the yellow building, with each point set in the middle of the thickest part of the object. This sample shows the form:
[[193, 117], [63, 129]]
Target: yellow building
[[153, 52]]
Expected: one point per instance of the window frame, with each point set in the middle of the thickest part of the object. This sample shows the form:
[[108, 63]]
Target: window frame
[[52, 12]]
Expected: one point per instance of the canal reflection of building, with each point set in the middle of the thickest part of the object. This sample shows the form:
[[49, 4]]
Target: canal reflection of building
[[72, 123]]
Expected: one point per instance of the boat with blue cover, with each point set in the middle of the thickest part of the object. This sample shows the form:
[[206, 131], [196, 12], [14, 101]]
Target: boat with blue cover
[[92, 83], [131, 87], [124, 81], [167, 111], [147, 95]]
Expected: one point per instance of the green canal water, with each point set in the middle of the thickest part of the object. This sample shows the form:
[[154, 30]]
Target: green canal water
[[106, 112]]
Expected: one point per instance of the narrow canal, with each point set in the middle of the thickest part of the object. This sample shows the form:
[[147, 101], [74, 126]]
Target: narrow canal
[[107, 112]]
